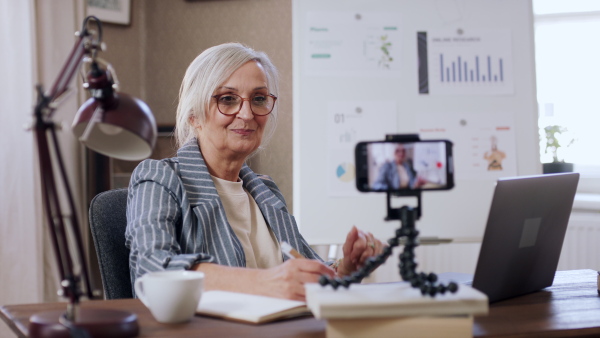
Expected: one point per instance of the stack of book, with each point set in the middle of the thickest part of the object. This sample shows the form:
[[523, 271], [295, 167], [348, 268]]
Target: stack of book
[[395, 309]]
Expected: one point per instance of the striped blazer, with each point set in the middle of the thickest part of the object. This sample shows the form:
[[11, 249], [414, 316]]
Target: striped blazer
[[176, 219]]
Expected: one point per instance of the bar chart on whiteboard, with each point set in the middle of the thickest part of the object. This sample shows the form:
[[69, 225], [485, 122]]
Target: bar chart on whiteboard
[[458, 63]]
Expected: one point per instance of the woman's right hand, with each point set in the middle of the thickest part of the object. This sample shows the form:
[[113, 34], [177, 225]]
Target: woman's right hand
[[287, 280]]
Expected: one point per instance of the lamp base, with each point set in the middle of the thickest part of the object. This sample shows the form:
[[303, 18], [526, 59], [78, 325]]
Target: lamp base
[[97, 322]]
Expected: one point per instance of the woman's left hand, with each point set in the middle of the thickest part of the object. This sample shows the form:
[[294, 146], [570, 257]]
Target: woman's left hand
[[358, 247]]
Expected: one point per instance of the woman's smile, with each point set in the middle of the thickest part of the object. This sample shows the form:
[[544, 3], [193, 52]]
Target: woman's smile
[[243, 131]]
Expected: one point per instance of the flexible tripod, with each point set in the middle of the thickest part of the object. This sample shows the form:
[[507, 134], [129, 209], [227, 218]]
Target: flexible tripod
[[427, 283]]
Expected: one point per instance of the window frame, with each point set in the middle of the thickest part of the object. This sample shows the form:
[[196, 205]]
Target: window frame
[[589, 183]]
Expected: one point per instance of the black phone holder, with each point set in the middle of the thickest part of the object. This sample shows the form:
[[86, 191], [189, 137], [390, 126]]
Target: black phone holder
[[427, 283]]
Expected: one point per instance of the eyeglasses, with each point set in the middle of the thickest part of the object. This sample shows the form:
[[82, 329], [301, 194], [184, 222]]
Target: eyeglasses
[[231, 104]]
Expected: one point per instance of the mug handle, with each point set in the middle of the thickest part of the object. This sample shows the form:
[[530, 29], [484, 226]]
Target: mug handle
[[139, 290]]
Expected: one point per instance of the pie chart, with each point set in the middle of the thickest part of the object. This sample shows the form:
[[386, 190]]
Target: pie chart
[[345, 172]]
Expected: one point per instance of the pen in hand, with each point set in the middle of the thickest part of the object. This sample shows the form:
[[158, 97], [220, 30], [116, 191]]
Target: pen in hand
[[292, 253], [289, 251]]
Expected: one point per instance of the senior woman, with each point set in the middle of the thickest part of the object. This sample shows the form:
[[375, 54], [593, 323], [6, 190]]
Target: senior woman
[[206, 209]]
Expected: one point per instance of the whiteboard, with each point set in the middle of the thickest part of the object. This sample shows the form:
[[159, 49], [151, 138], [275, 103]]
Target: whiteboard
[[319, 87]]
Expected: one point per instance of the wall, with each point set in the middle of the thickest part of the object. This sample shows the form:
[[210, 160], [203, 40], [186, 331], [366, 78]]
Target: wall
[[152, 53]]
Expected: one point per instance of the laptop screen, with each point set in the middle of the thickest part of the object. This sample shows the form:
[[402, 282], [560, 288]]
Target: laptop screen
[[524, 234]]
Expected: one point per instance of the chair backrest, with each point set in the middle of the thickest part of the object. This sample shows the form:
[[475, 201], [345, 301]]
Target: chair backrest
[[107, 223]]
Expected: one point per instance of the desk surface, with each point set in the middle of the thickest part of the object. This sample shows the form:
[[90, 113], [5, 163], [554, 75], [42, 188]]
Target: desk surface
[[569, 308]]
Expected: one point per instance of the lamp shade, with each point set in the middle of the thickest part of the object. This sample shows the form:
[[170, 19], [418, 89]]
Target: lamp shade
[[125, 129]]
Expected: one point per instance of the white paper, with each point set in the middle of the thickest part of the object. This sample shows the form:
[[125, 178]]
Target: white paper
[[470, 62], [350, 122], [348, 44], [245, 307], [484, 143]]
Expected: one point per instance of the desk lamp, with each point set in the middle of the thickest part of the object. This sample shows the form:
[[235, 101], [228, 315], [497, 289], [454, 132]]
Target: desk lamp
[[113, 124]]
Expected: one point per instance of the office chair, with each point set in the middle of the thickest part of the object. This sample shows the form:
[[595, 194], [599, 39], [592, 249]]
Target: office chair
[[107, 223]]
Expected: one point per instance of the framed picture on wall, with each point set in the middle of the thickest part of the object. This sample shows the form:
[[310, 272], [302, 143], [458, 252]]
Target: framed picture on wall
[[111, 11]]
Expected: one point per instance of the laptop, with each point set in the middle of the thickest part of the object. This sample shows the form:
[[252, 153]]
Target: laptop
[[524, 234]]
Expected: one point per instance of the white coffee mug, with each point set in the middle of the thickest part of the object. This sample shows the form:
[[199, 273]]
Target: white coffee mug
[[171, 296]]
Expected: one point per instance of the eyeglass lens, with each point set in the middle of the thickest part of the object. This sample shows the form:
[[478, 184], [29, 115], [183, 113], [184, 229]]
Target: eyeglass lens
[[230, 104]]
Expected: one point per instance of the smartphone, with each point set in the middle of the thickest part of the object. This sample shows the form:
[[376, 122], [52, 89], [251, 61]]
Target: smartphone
[[398, 166]]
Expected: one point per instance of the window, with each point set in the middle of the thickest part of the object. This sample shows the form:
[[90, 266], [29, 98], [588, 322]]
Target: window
[[568, 80]]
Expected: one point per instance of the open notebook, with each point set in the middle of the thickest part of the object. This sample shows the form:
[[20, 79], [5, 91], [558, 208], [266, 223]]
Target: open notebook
[[248, 308]]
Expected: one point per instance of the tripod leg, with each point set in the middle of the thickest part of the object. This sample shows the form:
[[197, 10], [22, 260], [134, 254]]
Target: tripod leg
[[427, 283]]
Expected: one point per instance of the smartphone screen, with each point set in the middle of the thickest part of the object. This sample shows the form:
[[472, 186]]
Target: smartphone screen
[[404, 166]]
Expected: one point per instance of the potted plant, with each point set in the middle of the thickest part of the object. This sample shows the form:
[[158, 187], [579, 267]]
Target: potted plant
[[552, 146]]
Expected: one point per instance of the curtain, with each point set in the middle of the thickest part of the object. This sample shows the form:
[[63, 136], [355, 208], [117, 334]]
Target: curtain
[[37, 36], [21, 265]]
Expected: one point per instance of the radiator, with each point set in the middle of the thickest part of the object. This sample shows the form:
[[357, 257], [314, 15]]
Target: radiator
[[453, 257], [581, 248]]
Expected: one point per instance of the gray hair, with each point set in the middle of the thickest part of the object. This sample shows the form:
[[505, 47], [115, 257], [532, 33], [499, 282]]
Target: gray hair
[[207, 72]]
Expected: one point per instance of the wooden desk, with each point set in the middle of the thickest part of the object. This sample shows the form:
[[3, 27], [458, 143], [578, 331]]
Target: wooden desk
[[571, 307]]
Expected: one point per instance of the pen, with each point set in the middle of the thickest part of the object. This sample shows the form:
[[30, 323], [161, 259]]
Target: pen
[[290, 252]]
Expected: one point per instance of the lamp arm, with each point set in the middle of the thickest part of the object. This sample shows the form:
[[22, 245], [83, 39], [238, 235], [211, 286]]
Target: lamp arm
[[84, 45], [49, 198], [74, 220], [49, 150], [69, 279], [61, 84]]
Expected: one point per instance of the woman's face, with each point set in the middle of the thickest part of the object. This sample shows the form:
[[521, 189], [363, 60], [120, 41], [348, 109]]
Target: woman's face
[[236, 135], [399, 154]]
